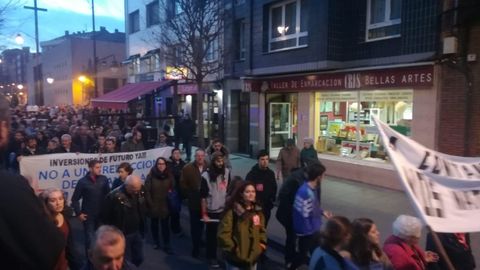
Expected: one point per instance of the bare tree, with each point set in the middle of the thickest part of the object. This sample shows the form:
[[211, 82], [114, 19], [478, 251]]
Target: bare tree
[[189, 39], [5, 8]]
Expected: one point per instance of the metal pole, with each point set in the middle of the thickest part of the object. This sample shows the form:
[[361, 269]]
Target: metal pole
[[38, 80], [94, 38]]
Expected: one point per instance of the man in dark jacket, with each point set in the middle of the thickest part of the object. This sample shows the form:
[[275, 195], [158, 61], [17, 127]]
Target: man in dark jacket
[[67, 146], [175, 165], [28, 239], [458, 249], [286, 198], [83, 140], [92, 189], [190, 180], [265, 184], [124, 208], [187, 129]]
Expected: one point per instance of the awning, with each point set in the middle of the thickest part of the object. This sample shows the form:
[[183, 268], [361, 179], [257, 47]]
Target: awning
[[119, 98]]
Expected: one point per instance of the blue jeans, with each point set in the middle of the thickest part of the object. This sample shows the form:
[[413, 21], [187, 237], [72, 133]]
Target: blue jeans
[[134, 248], [232, 267], [89, 227]]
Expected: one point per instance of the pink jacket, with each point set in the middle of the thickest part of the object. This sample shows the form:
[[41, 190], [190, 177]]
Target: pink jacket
[[404, 256]]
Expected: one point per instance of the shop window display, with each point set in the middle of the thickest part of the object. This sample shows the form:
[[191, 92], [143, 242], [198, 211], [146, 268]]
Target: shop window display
[[344, 121]]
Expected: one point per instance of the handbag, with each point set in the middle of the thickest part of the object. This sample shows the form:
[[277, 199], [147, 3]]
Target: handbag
[[174, 202]]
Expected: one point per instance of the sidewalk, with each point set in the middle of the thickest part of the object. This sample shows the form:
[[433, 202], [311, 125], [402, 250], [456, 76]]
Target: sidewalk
[[351, 199]]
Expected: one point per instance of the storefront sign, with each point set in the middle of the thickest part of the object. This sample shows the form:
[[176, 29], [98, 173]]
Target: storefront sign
[[443, 189], [409, 77], [176, 73], [367, 96], [187, 89]]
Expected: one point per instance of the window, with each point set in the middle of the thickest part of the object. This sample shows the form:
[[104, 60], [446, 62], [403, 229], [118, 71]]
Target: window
[[134, 21], [178, 55], [240, 40], [212, 51], [177, 8], [239, 2], [383, 19], [288, 23], [153, 13]]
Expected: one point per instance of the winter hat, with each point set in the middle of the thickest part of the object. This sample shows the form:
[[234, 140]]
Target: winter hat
[[308, 140]]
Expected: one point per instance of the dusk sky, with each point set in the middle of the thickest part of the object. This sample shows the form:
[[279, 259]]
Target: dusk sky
[[62, 15]]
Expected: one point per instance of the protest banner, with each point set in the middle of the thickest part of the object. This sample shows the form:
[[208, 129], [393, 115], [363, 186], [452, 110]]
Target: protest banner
[[444, 189], [64, 170]]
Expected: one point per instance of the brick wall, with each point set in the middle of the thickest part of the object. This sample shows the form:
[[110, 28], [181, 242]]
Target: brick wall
[[453, 129]]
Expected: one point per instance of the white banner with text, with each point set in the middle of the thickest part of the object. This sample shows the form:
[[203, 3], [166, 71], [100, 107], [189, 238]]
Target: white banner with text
[[444, 189], [64, 170]]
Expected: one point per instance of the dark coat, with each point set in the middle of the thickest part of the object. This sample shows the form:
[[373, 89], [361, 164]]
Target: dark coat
[[265, 186], [190, 181], [176, 169], [156, 192], [92, 195], [28, 238], [116, 183], [73, 149], [187, 129], [460, 256], [124, 211], [86, 145], [286, 196]]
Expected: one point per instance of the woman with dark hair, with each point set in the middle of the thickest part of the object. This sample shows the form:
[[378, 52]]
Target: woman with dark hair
[[124, 170], [241, 234], [157, 185], [334, 237], [365, 248], [54, 203]]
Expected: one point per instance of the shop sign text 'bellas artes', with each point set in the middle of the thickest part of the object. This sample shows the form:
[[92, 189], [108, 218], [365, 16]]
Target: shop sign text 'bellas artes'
[[417, 77]]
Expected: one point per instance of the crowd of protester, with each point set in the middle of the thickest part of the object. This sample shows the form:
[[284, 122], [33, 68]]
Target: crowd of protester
[[230, 215]]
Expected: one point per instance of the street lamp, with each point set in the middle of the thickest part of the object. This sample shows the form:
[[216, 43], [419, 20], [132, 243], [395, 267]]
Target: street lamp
[[82, 78], [50, 80], [19, 39], [20, 86]]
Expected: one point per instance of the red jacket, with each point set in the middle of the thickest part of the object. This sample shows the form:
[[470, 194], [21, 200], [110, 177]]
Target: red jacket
[[404, 256]]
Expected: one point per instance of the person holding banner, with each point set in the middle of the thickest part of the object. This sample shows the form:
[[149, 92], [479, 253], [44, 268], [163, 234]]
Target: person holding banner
[[402, 247], [124, 170], [458, 249], [92, 190]]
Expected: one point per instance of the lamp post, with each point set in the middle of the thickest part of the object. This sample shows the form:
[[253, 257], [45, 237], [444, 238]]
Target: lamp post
[[37, 72], [94, 39]]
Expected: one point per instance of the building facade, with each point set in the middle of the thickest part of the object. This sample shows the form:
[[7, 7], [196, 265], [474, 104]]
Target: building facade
[[322, 69], [149, 60], [67, 67], [13, 73]]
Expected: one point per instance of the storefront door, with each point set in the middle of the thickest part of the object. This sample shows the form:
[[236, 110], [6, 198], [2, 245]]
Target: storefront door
[[279, 126]]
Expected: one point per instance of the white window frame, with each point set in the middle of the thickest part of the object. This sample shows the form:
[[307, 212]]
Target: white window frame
[[211, 54], [297, 35], [385, 23], [242, 42]]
